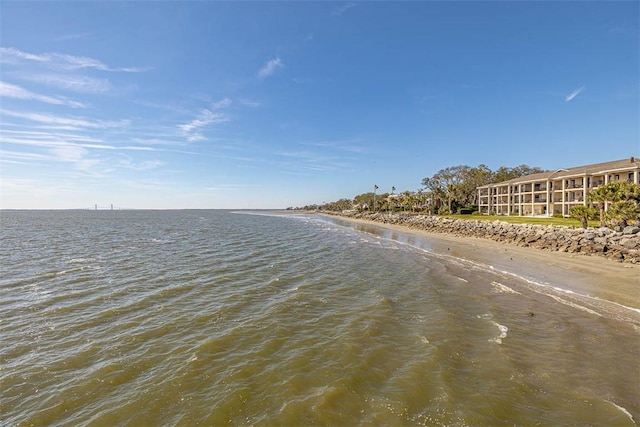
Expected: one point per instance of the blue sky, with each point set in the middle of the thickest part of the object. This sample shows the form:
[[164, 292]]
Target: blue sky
[[277, 104]]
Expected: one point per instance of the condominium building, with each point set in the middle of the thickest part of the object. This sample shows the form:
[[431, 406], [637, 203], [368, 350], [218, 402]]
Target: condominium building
[[555, 192]]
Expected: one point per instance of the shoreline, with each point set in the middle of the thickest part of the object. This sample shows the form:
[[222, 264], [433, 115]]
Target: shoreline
[[593, 276]]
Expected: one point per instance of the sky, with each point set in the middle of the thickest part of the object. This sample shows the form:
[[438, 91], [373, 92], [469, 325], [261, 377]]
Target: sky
[[212, 104]]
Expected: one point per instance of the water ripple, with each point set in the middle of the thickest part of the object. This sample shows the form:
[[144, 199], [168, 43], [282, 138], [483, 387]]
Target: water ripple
[[215, 318]]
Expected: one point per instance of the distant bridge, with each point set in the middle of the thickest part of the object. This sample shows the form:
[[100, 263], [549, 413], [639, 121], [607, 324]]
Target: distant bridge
[[97, 207]]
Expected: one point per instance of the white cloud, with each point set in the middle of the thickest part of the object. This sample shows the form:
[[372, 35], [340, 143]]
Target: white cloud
[[60, 60], [301, 80], [72, 82], [338, 11], [223, 103], [573, 94], [74, 36], [37, 135], [65, 122], [192, 130], [68, 153], [352, 145], [9, 90], [88, 165], [52, 139], [307, 160], [141, 166], [18, 156], [249, 103], [270, 67]]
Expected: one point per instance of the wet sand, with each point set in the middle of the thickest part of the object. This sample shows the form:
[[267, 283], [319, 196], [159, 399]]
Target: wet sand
[[593, 276]]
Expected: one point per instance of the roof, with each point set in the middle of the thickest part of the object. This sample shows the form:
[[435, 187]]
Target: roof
[[594, 169]]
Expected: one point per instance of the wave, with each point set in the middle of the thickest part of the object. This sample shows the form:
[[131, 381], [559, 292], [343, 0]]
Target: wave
[[584, 302]]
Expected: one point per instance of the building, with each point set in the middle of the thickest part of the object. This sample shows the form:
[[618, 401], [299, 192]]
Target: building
[[555, 192]]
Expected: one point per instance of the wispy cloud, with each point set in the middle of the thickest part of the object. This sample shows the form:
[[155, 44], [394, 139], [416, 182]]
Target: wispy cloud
[[8, 156], [270, 67], [207, 116], [52, 139], [72, 82], [249, 103], [223, 103], [8, 90], [308, 160], [73, 36], [301, 80], [193, 130], [340, 10], [353, 145], [573, 94], [68, 153], [65, 122], [37, 135], [61, 60], [82, 153], [140, 166]]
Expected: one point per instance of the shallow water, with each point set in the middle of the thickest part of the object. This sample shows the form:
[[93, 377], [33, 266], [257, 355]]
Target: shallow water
[[222, 318]]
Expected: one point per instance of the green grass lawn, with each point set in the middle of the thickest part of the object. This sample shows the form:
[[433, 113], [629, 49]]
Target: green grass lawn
[[569, 222]]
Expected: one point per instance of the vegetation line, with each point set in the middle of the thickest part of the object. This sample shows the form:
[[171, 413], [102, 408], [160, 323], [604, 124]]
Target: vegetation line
[[454, 189]]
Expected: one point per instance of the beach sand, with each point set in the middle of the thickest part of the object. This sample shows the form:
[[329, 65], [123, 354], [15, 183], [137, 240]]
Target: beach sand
[[593, 276]]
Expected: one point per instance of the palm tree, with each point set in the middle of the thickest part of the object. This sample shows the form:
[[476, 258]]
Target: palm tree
[[375, 187], [599, 196], [450, 189], [613, 193], [393, 188], [582, 213]]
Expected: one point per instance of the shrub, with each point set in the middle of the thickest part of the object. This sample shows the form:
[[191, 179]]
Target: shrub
[[444, 211]]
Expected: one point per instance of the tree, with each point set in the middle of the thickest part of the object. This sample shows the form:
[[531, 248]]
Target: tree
[[406, 200], [391, 198], [364, 201], [444, 184], [620, 213], [456, 186], [613, 193], [419, 200], [339, 205], [475, 177], [505, 174], [451, 188], [583, 213], [375, 187]]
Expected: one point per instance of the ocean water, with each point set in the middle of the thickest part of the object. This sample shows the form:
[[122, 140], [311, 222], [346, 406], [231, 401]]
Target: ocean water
[[213, 318]]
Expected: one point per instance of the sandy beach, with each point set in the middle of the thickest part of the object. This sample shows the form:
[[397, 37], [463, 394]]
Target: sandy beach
[[586, 275]]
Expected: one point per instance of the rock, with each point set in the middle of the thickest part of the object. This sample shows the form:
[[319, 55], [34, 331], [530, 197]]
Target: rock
[[622, 245], [531, 238], [632, 243]]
